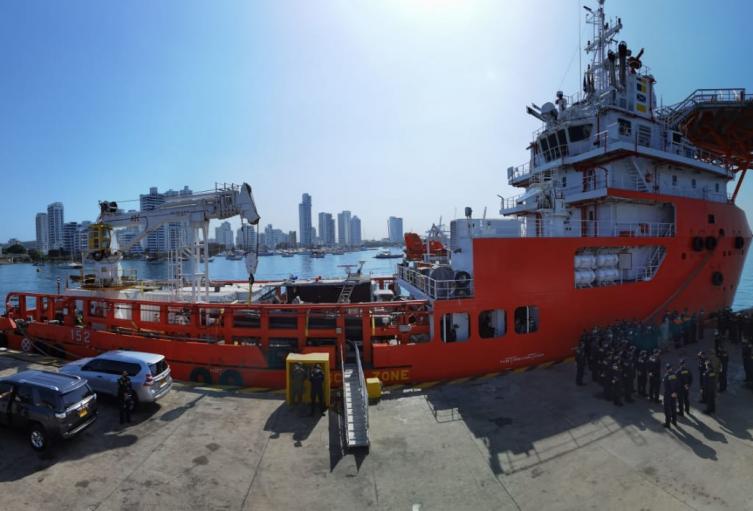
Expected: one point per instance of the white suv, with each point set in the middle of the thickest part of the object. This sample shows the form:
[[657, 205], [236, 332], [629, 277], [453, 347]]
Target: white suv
[[149, 373]]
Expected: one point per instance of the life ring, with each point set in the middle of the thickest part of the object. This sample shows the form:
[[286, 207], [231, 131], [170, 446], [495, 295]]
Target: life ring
[[231, 378], [717, 278], [710, 243], [98, 255], [739, 242], [26, 345], [201, 375], [698, 244]]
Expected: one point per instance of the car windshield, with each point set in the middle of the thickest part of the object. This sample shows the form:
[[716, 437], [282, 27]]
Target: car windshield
[[76, 395], [158, 368]]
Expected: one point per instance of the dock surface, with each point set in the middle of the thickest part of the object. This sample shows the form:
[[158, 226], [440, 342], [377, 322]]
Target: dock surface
[[529, 440]]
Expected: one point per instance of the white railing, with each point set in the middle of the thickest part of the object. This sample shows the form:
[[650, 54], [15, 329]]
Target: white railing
[[599, 229], [437, 289], [518, 172]]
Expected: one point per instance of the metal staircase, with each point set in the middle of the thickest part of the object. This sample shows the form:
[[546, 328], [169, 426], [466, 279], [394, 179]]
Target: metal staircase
[[355, 402], [675, 114], [346, 291]]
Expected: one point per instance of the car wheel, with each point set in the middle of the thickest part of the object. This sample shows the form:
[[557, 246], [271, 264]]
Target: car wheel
[[38, 437]]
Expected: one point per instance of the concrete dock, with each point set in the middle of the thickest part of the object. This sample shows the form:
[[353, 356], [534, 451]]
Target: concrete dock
[[529, 440]]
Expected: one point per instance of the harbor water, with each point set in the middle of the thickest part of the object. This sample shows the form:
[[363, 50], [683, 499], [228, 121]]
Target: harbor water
[[45, 278]]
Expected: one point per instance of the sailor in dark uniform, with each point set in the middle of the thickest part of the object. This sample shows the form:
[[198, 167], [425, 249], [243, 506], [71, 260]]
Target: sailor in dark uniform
[[709, 379], [580, 364], [723, 357], [685, 380], [642, 369], [670, 397]]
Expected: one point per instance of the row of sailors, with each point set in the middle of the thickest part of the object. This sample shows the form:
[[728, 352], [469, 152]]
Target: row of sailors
[[622, 370]]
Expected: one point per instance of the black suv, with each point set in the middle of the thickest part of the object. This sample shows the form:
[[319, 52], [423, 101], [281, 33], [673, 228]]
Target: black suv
[[48, 405]]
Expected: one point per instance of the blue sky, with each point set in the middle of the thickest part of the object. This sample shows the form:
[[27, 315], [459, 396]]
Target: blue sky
[[407, 108]]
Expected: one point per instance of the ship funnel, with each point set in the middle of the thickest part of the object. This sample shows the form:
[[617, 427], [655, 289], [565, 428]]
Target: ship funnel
[[622, 51], [611, 57]]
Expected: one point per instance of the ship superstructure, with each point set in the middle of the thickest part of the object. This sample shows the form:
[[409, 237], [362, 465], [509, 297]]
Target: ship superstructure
[[624, 214]]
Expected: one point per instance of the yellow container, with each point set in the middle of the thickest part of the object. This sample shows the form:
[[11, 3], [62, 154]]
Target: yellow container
[[374, 388], [308, 360]]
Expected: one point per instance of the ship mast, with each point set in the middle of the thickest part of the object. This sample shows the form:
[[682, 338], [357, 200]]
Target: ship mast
[[597, 76]]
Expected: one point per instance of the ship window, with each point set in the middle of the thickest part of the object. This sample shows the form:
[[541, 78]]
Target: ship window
[[625, 127], [580, 132], [150, 313], [716, 187], [526, 319], [692, 182], [97, 309], [676, 137], [554, 151], [492, 323], [674, 180], [456, 327], [564, 181], [561, 138], [644, 135], [712, 219]]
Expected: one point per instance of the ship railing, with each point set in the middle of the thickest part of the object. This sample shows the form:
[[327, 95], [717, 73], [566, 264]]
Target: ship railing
[[599, 229], [436, 289], [673, 114], [518, 172]]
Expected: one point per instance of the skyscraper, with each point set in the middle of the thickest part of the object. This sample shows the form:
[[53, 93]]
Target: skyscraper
[[326, 229], [395, 229], [343, 228], [43, 234], [71, 240], [156, 241], [55, 225], [176, 234], [223, 235], [245, 237], [304, 220], [355, 231]]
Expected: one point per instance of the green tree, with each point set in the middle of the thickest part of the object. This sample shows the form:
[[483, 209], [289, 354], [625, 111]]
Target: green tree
[[35, 255], [15, 249]]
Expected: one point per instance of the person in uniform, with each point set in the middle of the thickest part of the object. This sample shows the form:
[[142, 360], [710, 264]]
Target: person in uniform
[[654, 376], [125, 397], [723, 357], [642, 369], [628, 376], [709, 379], [685, 380], [580, 365], [316, 379], [701, 372], [747, 352], [298, 379], [617, 382], [670, 396], [701, 319]]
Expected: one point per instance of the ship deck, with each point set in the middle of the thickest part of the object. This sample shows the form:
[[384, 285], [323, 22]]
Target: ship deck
[[527, 440]]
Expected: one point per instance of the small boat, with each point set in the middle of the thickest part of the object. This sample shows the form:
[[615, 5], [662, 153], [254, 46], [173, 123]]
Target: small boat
[[287, 254], [386, 254], [73, 265], [316, 254]]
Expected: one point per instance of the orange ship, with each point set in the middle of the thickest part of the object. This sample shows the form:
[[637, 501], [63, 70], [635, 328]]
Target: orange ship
[[625, 214]]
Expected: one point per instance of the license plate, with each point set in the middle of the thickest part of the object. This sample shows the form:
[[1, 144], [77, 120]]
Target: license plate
[[83, 412]]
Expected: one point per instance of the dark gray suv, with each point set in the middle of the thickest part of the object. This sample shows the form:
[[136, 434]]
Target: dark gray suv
[[48, 405]]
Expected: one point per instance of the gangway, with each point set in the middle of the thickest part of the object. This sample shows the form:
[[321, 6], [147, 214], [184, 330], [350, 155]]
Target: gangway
[[355, 401]]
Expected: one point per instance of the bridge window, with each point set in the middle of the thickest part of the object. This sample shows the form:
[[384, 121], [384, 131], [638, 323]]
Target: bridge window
[[492, 323], [692, 183], [456, 327], [625, 127], [526, 319], [716, 187], [580, 132], [674, 180]]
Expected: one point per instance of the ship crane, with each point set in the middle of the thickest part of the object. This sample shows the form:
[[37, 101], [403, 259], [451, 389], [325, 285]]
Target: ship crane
[[193, 212]]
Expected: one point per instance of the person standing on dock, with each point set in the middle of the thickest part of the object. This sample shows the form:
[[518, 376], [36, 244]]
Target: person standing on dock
[[701, 324], [747, 353], [125, 397], [723, 357], [701, 373], [685, 380], [580, 364], [670, 397], [298, 378], [709, 379], [317, 389], [642, 367], [654, 376]]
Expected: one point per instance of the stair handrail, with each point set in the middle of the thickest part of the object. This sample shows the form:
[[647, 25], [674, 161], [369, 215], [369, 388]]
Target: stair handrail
[[362, 380]]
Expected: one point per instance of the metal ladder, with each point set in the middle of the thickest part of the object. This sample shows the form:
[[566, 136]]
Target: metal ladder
[[355, 402], [346, 291]]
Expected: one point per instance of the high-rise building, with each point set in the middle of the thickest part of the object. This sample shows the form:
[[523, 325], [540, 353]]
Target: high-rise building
[[292, 239], [245, 237], [83, 237], [71, 240], [304, 220], [223, 235], [343, 228], [155, 241], [125, 237], [395, 229], [274, 237], [55, 221], [43, 233], [355, 231], [326, 229]]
